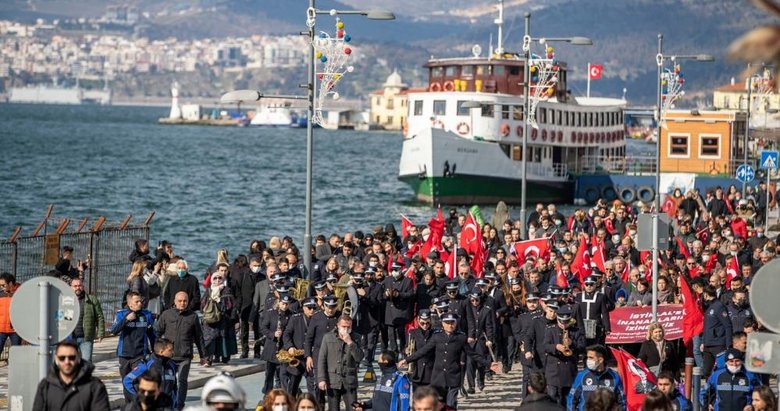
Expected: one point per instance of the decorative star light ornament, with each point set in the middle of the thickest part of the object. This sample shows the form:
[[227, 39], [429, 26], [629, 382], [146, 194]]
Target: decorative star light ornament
[[331, 55], [671, 88], [543, 77]]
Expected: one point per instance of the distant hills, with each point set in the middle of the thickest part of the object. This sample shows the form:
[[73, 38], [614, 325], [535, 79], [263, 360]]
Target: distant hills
[[624, 32]]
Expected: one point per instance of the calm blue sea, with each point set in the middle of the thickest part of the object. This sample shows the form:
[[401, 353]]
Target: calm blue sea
[[211, 187]]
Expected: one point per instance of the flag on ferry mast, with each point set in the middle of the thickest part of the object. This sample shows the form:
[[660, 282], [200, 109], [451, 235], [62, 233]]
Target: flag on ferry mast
[[594, 71]]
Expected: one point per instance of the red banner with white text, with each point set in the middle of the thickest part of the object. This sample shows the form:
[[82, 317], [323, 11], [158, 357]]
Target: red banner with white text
[[629, 324]]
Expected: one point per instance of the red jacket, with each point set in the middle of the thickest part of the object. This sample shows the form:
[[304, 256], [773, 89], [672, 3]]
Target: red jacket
[[5, 311]]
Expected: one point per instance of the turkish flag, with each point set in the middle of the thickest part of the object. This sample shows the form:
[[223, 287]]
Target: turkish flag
[[597, 257], [451, 263], [693, 317], [594, 71], [637, 378], [669, 206], [732, 270], [539, 248], [471, 241], [682, 248], [410, 274], [580, 266], [739, 227], [560, 278], [433, 242], [405, 225]]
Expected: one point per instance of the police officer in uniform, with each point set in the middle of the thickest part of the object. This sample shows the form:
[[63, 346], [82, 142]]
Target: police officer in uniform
[[449, 346], [562, 345], [480, 318], [322, 322], [524, 333], [423, 368], [375, 310], [593, 306], [441, 306], [512, 325], [398, 297], [272, 326], [458, 303], [293, 339]]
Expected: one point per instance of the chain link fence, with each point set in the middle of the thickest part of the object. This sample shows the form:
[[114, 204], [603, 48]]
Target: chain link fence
[[106, 248]]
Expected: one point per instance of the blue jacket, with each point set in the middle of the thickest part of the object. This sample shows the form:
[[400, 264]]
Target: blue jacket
[[586, 382], [391, 392], [166, 368], [717, 325], [135, 337], [726, 391], [682, 403]]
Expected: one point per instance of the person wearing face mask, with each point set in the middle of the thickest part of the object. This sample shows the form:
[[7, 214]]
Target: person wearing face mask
[[596, 375], [717, 329], [337, 365], [729, 388], [150, 397], [278, 400], [293, 339], [739, 310], [182, 326], [523, 331], [219, 337], [244, 282], [420, 335], [160, 361], [183, 281], [392, 390], [398, 297]]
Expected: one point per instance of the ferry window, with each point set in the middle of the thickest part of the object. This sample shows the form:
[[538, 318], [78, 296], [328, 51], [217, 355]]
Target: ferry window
[[709, 146], [463, 111], [488, 110], [451, 71], [467, 71], [482, 70], [678, 145], [498, 70], [418, 105], [505, 112], [590, 119], [439, 107], [517, 112], [437, 71], [579, 119], [543, 116]]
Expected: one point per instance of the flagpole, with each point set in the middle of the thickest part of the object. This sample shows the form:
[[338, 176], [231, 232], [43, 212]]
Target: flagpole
[[588, 92]]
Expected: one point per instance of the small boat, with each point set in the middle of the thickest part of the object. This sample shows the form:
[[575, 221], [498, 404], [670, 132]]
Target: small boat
[[272, 115]]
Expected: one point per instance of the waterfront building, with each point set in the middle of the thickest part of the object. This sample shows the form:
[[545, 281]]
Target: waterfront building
[[389, 105]]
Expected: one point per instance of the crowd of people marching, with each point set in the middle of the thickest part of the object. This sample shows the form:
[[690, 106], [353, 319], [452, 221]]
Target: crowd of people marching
[[438, 310]]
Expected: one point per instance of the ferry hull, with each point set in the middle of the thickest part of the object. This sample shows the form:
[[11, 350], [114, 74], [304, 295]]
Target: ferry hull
[[443, 168]]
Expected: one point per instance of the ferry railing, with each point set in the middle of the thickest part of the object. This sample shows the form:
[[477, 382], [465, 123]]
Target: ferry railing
[[556, 170], [106, 248], [632, 165]]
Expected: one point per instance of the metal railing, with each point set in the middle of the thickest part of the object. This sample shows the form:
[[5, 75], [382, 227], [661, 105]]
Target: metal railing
[[646, 165], [106, 247], [557, 170]]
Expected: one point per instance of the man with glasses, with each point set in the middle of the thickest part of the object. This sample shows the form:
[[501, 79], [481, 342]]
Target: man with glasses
[[91, 324], [70, 384], [321, 324], [423, 369]]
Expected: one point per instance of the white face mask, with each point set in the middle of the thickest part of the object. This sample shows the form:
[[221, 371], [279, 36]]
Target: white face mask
[[372, 263], [632, 232], [616, 238], [592, 365], [705, 258], [734, 368], [279, 407], [734, 253], [255, 270], [344, 330], [397, 274]]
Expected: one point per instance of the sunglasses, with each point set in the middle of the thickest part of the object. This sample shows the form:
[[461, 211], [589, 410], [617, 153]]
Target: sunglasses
[[424, 323], [67, 357], [217, 278]]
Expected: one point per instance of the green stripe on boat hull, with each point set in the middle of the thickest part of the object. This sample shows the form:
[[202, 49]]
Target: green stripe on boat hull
[[466, 189]]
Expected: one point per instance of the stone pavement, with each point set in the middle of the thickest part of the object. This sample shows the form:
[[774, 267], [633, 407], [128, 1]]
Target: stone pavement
[[107, 369]]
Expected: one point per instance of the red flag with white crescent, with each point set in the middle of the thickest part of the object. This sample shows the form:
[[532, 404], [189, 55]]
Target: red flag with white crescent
[[594, 71], [406, 223], [637, 378], [669, 206], [693, 317], [732, 270], [538, 248], [580, 266]]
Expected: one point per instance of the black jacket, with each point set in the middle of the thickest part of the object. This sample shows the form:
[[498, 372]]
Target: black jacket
[[423, 369], [244, 281], [319, 325], [188, 284], [426, 294], [84, 393], [293, 336], [183, 328], [273, 319], [649, 355], [450, 352], [400, 306], [540, 402]]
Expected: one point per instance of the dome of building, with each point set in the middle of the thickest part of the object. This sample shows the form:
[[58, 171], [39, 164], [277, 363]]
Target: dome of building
[[394, 80]]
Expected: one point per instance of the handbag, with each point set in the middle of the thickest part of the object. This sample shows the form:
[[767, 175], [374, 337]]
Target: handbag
[[211, 314]]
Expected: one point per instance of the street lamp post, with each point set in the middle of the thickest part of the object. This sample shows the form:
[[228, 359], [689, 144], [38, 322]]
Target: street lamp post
[[579, 41], [252, 95], [747, 128], [660, 59]]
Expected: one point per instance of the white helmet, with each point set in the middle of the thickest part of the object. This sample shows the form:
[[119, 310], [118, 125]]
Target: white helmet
[[223, 388]]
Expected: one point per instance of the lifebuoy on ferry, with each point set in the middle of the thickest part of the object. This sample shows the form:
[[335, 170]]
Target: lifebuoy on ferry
[[505, 130], [463, 128], [519, 131], [534, 134], [437, 124], [560, 136], [448, 86], [435, 86], [544, 135], [579, 137], [592, 137], [603, 137]]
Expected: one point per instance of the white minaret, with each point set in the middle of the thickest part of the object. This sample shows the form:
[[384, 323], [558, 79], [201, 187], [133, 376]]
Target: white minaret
[[175, 108]]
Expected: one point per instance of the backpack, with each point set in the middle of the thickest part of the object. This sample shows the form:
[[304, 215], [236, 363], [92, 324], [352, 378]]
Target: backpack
[[211, 314]]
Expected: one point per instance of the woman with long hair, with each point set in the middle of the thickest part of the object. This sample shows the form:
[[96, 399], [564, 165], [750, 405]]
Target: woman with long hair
[[307, 402], [136, 282], [764, 399], [278, 400], [657, 353]]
